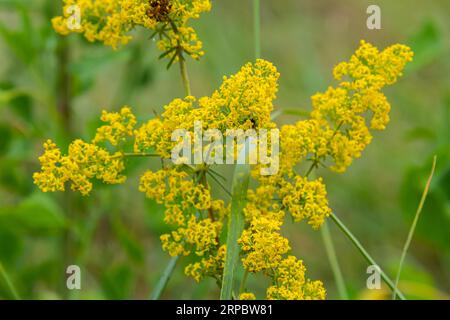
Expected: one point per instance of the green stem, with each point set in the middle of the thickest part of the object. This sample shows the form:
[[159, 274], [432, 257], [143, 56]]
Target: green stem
[[331, 252], [9, 284], [365, 254], [235, 226], [184, 74], [133, 155], [413, 227], [182, 61], [332, 257], [162, 283], [257, 27], [243, 282], [219, 183]]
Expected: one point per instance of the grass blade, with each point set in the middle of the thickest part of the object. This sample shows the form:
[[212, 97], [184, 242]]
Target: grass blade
[[235, 226], [332, 257], [365, 254], [162, 283], [9, 284], [413, 226]]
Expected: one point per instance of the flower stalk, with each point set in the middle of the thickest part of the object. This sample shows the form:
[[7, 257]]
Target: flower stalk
[[9, 285], [365, 254]]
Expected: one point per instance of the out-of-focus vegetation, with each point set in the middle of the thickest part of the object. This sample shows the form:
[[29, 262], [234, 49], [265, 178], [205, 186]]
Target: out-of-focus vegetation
[[56, 87]]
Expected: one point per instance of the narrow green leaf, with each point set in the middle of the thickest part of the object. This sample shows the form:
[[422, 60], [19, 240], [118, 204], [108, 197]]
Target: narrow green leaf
[[413, 227], [171, 61], [9, 285], [365, 254], [162, 283], [332, 258], [235, 226], [162, 55]]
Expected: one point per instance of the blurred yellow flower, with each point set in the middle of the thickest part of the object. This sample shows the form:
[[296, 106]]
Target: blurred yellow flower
[[111, 21]]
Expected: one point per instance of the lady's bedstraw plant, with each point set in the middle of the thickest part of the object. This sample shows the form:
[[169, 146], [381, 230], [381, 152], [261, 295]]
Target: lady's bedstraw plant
[[336, 132]]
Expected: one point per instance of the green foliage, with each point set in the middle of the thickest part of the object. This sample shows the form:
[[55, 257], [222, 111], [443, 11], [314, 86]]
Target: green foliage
[[114, 235], [235, 226]]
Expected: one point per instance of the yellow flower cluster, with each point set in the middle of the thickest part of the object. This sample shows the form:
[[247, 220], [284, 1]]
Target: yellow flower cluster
[[199, 235], [244, 101], [121, 126], [247, 296], [335, 133], [180, 195], [262, 244], [290, 283], [306, 199], [86, 161], [265, 249], [111, 21], [337, 128], [211, 266]]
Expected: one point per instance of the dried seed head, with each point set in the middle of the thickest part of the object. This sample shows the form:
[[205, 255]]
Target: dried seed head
[[159, 10]]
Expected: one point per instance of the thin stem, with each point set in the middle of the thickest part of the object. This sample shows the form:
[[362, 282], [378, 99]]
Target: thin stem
[[313, 165], [257, 27], [219, 183], [162, 283], [181, 60], [136, 155], [64, 85], [243, 282], [413, 226], [241, 179], [332, 257], [218, 174], [9, 284], [63, 93], [184, 74], [331, 252], [365, 254]]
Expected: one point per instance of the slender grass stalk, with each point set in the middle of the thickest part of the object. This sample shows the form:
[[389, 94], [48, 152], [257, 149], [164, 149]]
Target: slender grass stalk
[[184, 75], [243, 282], [332, 257], [64, 85], [331, 253], [365, 254], [162, 283], [132, 155], [235, 226], [257, 27], [302, 113], [413, 226], [9, 285]]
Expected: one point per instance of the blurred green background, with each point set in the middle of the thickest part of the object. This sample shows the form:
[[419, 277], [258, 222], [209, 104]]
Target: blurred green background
[[55, 87]]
